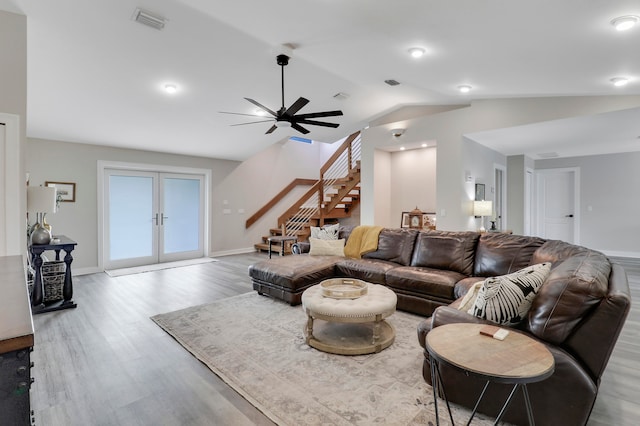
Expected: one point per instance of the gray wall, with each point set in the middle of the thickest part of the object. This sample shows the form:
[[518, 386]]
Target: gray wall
[[609, 201]]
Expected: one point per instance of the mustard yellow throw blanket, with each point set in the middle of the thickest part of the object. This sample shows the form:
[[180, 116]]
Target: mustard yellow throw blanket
[[363, 239]]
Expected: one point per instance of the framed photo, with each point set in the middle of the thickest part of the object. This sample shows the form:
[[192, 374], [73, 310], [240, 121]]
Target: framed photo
[[479, 191], [429, 220], [404, 222], [65, 191]]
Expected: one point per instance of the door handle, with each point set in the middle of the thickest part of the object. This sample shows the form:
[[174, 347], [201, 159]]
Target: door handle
[[162, 218], [568, 215], [155, 218]]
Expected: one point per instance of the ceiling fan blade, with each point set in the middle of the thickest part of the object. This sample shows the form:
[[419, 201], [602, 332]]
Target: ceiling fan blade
[[259, 105], [252, 122], [297, 106], [239, 113], [318, 123], [299, 128], [271, 129], [319, 114]]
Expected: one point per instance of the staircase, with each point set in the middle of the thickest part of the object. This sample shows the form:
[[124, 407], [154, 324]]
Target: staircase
[[333, 196]]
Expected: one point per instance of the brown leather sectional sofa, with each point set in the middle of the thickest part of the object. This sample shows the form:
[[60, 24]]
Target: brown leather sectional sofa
[[578, 312]]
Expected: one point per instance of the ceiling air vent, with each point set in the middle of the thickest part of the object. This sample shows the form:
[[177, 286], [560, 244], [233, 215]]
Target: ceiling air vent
[[149, 19], [392, 82]]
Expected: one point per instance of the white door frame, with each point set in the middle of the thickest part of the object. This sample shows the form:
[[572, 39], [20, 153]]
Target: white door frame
[[539, 199], [503, 194], [102, 165], [529, 191]]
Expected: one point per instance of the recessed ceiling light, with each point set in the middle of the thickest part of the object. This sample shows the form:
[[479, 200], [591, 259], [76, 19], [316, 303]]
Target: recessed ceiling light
[[170, 88], [416, 52], [624, 23], [260, 112], [619, 81], [424, 145], [402, 148], [465, 88]]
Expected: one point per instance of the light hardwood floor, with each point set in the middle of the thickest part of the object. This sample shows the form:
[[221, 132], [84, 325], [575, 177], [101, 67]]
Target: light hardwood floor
[[106, 363]]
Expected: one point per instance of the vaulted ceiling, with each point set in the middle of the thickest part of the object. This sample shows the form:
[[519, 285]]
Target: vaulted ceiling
[[96, 76]]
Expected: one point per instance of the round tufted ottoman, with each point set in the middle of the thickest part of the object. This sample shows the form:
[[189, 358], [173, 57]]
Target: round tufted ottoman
[[349, 326]]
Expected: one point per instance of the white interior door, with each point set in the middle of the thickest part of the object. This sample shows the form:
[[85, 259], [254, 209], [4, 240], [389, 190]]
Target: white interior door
[[558, 206], [152, 217]]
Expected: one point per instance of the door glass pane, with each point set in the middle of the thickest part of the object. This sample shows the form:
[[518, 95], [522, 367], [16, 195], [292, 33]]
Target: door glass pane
[[131, 216], [181, 215]]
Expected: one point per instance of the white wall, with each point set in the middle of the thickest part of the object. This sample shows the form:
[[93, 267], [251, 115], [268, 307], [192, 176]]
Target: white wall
[[13, 111], [449, 128], [413, 182], [245, 186], [609, 202]]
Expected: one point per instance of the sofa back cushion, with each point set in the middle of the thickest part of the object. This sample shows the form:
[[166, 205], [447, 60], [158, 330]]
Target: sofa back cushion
[[394, 245], [574, 287], [501, 254], [453, 251], [555, 251]]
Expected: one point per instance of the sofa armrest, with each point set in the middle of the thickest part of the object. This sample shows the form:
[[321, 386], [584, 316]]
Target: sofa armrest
[[300, 247]]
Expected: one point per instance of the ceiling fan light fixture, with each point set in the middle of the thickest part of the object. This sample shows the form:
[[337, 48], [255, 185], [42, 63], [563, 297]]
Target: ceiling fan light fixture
[[620, 81], [623, 23], [282, 123], [416, 52]]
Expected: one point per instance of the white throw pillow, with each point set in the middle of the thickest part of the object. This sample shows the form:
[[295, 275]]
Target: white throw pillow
[[507, 299], [326, 247], [327, 232]]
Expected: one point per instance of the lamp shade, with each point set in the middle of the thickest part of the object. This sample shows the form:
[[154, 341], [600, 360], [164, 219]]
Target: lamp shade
[[41, 199], [482, 208]]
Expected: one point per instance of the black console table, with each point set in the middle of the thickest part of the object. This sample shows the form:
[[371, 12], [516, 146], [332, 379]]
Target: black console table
[[57, 243]]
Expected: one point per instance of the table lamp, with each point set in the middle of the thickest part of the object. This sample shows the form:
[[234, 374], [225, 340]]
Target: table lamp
[[482, 209], [41, 200]]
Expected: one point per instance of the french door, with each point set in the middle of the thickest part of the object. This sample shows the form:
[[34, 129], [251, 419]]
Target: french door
[[152, 217]]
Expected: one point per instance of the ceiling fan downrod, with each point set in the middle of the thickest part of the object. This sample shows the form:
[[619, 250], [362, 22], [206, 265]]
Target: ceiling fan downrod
[[282, 60]]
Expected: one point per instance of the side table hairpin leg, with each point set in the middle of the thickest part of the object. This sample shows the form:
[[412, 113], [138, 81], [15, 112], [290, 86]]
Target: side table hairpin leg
[[437, 383]]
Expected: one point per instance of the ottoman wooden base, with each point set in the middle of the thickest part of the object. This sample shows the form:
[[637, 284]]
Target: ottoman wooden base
[[350, 339]]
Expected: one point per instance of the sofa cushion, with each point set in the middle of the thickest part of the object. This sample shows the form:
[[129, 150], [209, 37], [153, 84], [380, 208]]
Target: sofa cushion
[[451, 251], [394, 245], [323, 247], [294, 272], [428, 281], [556, 251], [506, 299], [369, 270], [501, 254], [573, 288]]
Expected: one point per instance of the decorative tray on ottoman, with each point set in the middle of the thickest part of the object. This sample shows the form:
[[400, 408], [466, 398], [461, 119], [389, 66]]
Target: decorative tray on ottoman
[[343, 288]]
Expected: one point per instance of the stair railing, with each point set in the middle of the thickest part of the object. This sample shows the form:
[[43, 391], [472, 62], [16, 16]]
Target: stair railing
[[310, 205]]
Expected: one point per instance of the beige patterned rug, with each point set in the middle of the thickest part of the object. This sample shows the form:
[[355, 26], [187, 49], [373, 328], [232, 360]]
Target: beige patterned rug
[[256, 345]]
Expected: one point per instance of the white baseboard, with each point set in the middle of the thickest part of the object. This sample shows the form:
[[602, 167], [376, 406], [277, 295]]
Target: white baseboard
[[632, 254], [85, 271], [231, 252]]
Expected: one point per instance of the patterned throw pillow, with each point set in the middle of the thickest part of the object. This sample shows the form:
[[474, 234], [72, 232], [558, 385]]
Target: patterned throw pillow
[[506, 299], [327, 232]]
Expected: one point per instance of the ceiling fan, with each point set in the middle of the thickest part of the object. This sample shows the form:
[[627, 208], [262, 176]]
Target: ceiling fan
[[286, 117]]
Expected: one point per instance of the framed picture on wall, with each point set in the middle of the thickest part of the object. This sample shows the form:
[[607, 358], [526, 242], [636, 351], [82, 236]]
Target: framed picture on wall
[[404, 222], [479, 191], [65, 191]]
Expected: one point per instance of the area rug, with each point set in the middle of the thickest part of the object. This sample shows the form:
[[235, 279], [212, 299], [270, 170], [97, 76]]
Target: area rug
[[256, 345], [158, 266]]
